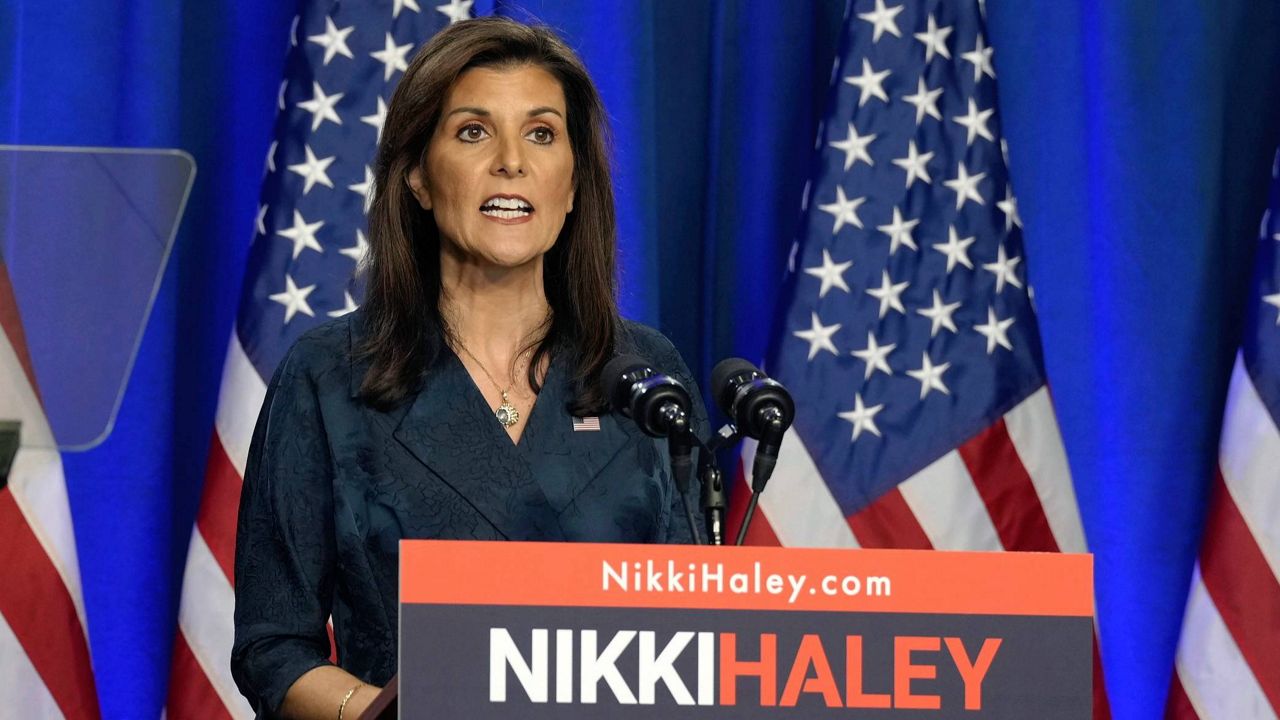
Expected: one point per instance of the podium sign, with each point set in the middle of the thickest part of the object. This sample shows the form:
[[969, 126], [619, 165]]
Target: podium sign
[[541, 630]]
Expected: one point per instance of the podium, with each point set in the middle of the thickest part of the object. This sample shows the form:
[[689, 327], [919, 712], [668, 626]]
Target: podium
[[540, 630]]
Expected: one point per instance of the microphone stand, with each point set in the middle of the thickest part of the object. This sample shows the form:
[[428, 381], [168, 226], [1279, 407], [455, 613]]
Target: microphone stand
[[713, 493]]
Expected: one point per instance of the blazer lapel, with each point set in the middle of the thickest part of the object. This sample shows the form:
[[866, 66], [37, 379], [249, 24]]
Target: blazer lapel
[[451, 430], [566, 461]]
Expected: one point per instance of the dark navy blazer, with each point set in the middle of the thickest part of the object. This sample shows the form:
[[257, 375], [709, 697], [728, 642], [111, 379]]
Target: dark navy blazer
[[332, 486]]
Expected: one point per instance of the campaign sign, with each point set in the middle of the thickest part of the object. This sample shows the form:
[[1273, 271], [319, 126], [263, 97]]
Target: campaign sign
[[555, 630]]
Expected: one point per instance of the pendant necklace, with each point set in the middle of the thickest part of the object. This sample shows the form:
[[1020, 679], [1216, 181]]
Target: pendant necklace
[[506, 413]]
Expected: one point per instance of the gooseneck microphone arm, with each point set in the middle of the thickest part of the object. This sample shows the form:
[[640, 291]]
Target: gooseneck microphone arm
[[760, 408], [660, 406]]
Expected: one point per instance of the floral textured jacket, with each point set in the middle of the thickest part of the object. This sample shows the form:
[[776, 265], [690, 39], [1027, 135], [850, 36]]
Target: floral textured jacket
[[332, 486]]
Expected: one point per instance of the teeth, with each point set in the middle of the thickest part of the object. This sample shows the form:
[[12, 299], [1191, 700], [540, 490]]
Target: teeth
[[505, 214], [508, 204]]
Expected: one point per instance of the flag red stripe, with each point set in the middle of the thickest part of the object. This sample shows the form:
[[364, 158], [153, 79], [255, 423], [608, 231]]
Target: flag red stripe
[[11, 324], [219, 504], [1179, 706], [38, 608], [889, 523], [1007, 490], [1243, 588], [760, 532], [1101, 705], [191, 696]]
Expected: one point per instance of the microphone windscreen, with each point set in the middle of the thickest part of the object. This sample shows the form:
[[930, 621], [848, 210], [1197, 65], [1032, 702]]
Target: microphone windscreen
[[720, 376], [613, 371]]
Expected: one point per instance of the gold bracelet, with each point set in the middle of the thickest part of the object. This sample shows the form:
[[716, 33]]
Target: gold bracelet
[[343, 705]]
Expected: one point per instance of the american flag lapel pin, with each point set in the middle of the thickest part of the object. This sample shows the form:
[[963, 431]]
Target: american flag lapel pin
[[586, 424]]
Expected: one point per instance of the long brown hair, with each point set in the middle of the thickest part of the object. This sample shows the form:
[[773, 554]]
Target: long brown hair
[[404, 331]]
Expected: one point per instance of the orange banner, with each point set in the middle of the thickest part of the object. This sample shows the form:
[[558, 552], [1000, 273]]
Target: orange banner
[[745, 578]]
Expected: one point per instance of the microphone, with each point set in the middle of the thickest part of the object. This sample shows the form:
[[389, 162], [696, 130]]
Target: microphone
[[759, 406], [660, 405]]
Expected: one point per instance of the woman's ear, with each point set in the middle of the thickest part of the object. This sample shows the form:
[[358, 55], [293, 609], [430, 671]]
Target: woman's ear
[[419, 188]]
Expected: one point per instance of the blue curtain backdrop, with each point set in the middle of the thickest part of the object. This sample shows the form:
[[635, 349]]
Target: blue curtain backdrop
[[1141, 134]]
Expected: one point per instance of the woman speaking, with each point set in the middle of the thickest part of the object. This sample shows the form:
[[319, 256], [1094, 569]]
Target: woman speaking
[[451, 405]]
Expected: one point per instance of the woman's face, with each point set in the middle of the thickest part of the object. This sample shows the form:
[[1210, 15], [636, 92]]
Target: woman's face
[[499, 167]]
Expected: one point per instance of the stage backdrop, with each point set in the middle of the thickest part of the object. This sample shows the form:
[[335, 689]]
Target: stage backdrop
[[1141, 135]]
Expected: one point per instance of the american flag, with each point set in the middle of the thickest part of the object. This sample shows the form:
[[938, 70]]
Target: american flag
[[45, 668], [1228, 661], [908, 333], [343, 63]]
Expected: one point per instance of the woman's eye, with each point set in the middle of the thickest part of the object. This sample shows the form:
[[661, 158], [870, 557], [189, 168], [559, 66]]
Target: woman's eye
[[542, 135], [471, 133]]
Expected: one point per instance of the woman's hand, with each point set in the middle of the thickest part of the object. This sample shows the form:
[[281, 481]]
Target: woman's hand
[[318, 694]]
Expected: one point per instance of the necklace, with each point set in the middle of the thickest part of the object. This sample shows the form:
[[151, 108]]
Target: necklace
[[506, 412]]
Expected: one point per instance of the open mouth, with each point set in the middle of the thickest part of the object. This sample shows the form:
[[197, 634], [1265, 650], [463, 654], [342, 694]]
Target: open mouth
[[506, 207]]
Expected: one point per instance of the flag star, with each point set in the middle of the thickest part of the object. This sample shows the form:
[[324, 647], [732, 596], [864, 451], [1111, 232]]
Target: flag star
[[393, 56], [321, 106], [1009, 206], [378, 118], [359, 250], [271, 156], [862, 417], [980, 57], [333, 40], [261, 221], [349, 306], [899, 232], [1004, 151], [314, 170], [364, 189], [925, 101], [456, 10], [966, 186], [303, 234], [930, 376], [935, 40], [875, 355], [882, 18], [889, 294], [996, 331], [975, 122], [1275, 301], [940, 314], [294, 299], [915, 163], [844, 210], [870, 82], [818, 336], [830, 273], [284, 85], [399, 5], [1003, 268], [854, 147], [956, 250], [293, 31]]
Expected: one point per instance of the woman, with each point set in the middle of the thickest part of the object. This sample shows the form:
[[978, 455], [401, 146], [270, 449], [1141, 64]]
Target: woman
[[445, 407]]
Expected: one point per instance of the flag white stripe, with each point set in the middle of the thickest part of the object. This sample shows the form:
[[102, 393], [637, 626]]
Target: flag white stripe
[[797, 502], [239, 401], [21, 687], [1248, 454], [36, 478], [206, 617], [1214, 674], [948, 507], [1033, 428]]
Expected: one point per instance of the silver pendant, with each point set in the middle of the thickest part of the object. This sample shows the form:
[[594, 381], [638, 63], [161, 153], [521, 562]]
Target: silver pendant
[[506, 412]]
